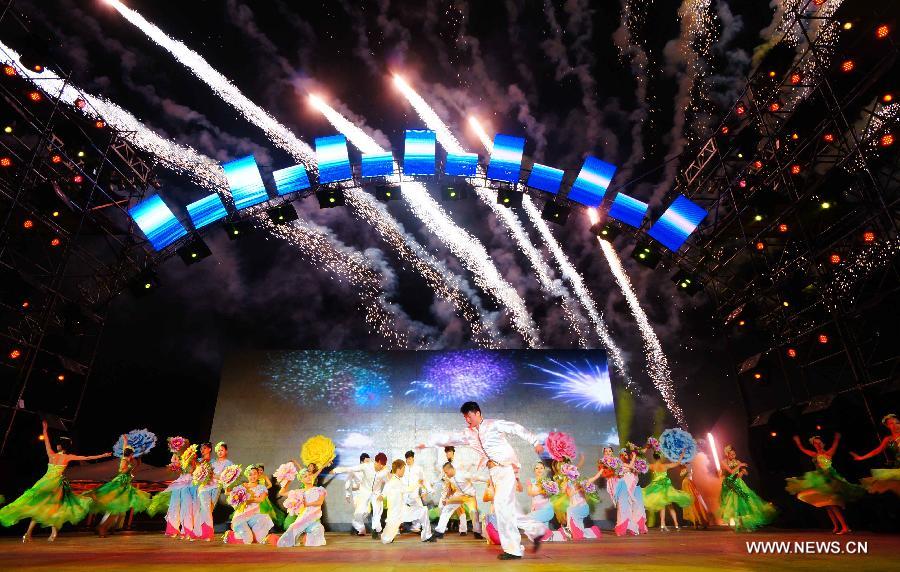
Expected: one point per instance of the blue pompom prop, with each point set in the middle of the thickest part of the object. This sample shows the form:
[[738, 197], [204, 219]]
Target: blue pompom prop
[[673, 442], [140, 440]]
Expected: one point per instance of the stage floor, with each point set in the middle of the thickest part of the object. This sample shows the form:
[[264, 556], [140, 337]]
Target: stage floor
[[719, 550]]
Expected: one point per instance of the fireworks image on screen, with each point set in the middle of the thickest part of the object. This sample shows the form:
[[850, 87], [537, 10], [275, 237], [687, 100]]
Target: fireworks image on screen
[[453, 378], [583, 385]]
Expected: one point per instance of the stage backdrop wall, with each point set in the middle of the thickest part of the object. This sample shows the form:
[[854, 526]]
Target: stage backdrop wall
[[271, 401]]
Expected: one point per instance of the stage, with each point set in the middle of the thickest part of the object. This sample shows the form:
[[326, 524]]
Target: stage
[[697, 550]]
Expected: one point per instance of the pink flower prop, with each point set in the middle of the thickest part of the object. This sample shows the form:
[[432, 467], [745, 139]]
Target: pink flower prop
[[238, 496], [570, 471], [177, 443], [230, 475], [285, 474], [550, 487], [202, 474], [294, 502], [561, 446]]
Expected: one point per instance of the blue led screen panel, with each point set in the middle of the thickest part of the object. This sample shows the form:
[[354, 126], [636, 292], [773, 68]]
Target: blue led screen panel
[[544, 178], [157, 222], [628, 210], [334, 163], [461, 164], [677, 223], [377, 164], [291, 179], [506, 158], [245, 182], [592, 182], [206, 211], [418, 152]]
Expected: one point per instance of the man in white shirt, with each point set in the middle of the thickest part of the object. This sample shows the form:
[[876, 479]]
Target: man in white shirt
[[459, 492], [416, 484], [401, 508], [362, 477], [487, 437], [382, 472]]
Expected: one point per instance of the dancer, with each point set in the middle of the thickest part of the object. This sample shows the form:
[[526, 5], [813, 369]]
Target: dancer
[[738, 501], [888, 479], [540, 490], [824, 487], [457, 497], [631, 516], [117, 497], [416, 484], [660, 493], [698, 511], [249, 523], [364, 476], [206, 489], [307, 504], [50, 501], [487, 437], [401, 508], [578, 508]]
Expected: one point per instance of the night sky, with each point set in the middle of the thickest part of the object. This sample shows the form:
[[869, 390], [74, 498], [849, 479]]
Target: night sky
[[568, 76]]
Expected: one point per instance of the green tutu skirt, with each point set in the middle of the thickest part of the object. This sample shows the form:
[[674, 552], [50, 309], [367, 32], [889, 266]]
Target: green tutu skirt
[[883, 481], [275, 513], [159, 504], [740, 503], [118, 496], [824, 487], [50, 502], [660, 493]]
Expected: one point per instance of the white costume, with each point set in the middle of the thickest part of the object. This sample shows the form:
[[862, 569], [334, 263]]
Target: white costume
[[459, 492], [401, 509], [359, 482], [495, 452], [415, 481]]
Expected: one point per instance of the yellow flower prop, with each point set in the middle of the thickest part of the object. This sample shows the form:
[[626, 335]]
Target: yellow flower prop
[[318, 450], [186, 457]]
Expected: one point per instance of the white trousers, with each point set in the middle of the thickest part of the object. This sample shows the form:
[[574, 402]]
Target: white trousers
[[449, 509], [417, 515], [361, 502], [377, 503], [509, 518]]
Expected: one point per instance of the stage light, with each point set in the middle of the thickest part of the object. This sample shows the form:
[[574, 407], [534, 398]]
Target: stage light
[[835, 258], [828, 138], [509, 198], [818, 427], [887, 140], [282, 214], [144, 283], [55, 242], [8, 129], [386, 193], [795, 169], [724, 130], [454, 193], [758, 218], [742, 183], [80, 103], [819, 2], [773, 434], [826, 205], [330, 198], [760, 245], [795, 136], [15, 354], [795, 78], [26, 304], [823, 339], [9, 70], [785, 303], [40, 437], [882, 31], [687, 283], [238, 229], [791, 353], [55, 214], [56, 159], [869, 236], [757, 375], [607, 231], [61, 377], [774, 106], [555, 212], [887, 98], [5, 162], [35, 96], [194, 251], [77, 179], [847, 25], [757, 164], [80, 154], [28, 223], [847, 66], [645, 255], [771, 73], [99, 124], [783, 227], [740, 155], [742, 323]]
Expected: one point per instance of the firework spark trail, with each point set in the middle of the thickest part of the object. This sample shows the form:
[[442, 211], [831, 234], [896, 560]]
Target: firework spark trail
[[514, 226], [315, 242], [466, 247], [481, 133], [657, 363], [634, 16], [446, 284]]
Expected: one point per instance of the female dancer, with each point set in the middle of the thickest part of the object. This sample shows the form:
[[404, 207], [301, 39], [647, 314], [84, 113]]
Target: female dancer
[[207, 487], [491, 533], [885, 480], [824, 487], [309, 517], [115, 498], [631, 516], [698, 511], [660, 493], [541, 508], [578, 510], [738, 501], [50, 501], [177, 497], [249, 524]]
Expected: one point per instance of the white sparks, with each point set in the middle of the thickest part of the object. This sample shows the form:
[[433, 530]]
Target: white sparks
[[481, 133]]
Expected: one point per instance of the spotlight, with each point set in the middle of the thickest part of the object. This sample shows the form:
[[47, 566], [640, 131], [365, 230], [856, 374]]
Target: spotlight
[[555, 212], [55, 214], [757, 375], [794, 136], [740, 109], [795, 78], [61, 377], [8, 129], [144, 283], [848, 66], [28, 224], [9, 71], [687, 283], [771, 73], [826, 205], [81, 154], [828, 138], [868, 237], [758, 218], [848, 25], [35, 96], [795, 169], [823, 339], [774, 106], [742, 323], [835, 258], [55, 242], [791, 353], [330, 198], [77, 179], [742, 183], [882, 31], [194, 251], [646, 255], [887, 98], [282, 214], [5, 162], [238, 229], [80, 103], [783, 227], [760, 245], [724, 130], [56, 159], [454, 193], [757, 164], [606, 231], [785, 303], [887, 140], [15, 353], [509, 198], [99, 124], [386, 193], [773, 434]]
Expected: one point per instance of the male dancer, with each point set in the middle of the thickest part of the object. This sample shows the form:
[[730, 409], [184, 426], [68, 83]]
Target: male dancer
[[416, 485], [487, 437], [362, 477], [458, 492], [401, 508]]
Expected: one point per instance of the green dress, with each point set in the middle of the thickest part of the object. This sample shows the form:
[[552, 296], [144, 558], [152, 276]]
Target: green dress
[[660, 493], [824, 486], [737, 501], [118, 496], [50, 502], [887, 479]]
